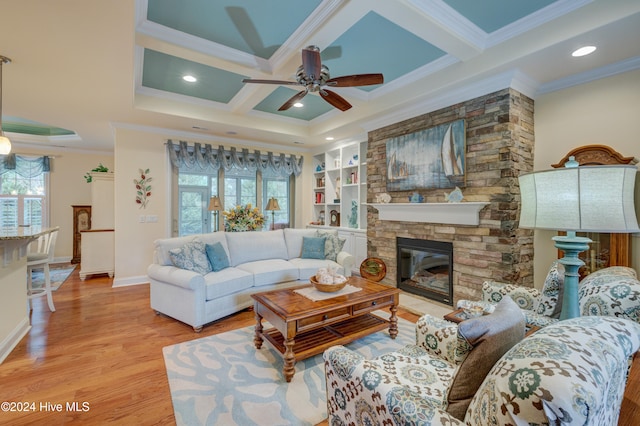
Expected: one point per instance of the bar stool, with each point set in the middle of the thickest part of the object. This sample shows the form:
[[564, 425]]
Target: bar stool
[[40, 256]]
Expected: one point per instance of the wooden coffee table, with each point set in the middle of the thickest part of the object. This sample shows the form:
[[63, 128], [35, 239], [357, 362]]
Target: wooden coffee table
[[303, 328]]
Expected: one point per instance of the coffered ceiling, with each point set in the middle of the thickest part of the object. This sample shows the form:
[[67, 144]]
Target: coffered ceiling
[[90, 65]]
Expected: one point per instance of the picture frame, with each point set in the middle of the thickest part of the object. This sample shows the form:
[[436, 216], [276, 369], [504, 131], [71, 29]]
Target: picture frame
[[428, 159]]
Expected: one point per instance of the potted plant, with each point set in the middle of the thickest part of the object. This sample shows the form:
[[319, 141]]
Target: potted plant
[[100, 168]]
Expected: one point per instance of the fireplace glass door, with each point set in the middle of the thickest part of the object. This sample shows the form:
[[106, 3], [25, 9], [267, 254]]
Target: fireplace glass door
[[425, 268]]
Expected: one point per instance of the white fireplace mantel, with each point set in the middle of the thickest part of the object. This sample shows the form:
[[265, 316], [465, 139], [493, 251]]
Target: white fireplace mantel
[[450, 213]]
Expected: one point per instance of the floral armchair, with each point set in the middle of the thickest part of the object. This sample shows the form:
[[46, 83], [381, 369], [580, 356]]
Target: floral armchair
[[573, 372], [612, 291], [540, 307], [445, 368]]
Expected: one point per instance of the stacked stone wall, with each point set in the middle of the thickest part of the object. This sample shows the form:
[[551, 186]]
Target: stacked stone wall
[[499, 147]]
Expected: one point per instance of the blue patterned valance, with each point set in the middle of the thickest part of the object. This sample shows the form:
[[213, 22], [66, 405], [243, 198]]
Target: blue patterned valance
[[206, 157], [26, 167]]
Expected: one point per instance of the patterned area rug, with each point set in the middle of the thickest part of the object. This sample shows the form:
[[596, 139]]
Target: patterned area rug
[[59, 274], [224, 380]]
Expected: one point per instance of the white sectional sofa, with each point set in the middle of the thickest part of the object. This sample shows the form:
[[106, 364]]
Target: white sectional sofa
[[258, 261]]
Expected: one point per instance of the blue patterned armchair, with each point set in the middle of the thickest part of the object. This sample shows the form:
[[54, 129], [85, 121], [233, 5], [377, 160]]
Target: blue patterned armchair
[[571, 372], [444, 368], [612, 291], [540, 307]]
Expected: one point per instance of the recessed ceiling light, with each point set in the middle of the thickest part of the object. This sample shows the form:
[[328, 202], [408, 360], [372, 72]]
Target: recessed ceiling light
[[585, 50], [189, 78], [298, 105], [329, 138]]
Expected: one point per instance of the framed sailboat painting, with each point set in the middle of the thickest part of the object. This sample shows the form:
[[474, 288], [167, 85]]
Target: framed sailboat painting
[[427, 159]]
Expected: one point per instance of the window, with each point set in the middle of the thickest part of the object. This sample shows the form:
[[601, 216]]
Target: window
[[23, 194], [277, 186], [239, 188], [236, 176], [194, 191]]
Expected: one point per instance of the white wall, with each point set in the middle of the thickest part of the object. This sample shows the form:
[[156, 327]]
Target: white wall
[[138, 149], [603, 112]]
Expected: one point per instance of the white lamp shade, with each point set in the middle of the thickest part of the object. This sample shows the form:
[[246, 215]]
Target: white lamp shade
[[587, 198], [5, 145]]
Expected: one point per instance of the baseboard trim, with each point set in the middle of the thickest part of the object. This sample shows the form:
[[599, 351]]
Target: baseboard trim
[[125, 282], [12, 340]]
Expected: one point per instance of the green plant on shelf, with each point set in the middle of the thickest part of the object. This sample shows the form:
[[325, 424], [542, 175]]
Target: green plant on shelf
[[100, 168]]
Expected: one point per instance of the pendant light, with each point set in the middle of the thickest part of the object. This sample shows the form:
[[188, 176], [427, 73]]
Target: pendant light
[[5, 143]]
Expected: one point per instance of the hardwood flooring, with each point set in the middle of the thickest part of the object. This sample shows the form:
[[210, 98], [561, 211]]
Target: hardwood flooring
[[102, 350]]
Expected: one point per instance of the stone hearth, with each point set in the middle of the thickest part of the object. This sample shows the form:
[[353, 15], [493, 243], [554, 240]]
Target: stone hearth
[[500, 143]]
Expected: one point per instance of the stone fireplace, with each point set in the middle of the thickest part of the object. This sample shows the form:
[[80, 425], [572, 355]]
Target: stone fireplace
[[499, 147]]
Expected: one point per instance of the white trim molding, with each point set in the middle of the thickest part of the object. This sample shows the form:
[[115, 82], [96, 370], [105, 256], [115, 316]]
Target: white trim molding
[[449, 213]]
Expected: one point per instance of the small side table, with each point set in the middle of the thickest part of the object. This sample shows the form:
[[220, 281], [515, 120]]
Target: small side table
[[459, 315]]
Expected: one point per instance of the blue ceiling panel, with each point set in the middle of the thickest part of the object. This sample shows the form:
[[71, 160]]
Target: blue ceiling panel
[[491, 15], [165, 72], [255, 27], [314, 106], [364, 50]]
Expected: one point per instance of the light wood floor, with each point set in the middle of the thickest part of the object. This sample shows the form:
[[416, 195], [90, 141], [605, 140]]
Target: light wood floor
[[103, 346]]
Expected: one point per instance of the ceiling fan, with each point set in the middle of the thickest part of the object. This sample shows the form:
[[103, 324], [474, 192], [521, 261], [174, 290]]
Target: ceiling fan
[[314, 76]]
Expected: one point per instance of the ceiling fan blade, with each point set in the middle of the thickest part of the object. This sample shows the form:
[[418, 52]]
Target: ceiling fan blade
[[311, 62], [284, 82], [335, 99], [295, 98], [356, 80]]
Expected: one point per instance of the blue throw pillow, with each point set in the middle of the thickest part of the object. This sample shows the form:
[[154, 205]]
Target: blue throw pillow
[[217, 256], [313, 247]]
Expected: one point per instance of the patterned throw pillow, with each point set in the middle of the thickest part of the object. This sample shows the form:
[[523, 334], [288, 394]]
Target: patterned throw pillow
[[217, 256], [191, 256], [313, 247], [333, 246]]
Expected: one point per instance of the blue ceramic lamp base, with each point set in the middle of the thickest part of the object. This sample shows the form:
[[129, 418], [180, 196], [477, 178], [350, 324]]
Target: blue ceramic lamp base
[[572, 246]]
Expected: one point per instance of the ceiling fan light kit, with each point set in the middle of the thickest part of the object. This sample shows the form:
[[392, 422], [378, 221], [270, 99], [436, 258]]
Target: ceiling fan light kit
[[314, 77]]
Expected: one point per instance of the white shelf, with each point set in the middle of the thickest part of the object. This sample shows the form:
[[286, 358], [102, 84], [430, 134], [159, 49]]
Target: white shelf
[[449, 213]]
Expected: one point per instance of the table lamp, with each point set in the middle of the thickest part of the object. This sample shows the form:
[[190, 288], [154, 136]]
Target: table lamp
[[572, 199], [215, 207], [272, 206]]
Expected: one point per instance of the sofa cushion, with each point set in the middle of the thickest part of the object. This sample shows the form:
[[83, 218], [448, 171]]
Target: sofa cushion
[[293, 239], [308, 267], [333, 245], [226, 281], [268, 272], [313, 247], [550, 302], [251, 246], [164, 245], [491, 337], [217, 256], [191, 256]]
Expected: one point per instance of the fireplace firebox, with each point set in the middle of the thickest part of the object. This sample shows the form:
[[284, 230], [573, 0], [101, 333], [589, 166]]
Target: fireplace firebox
[[425, 268]]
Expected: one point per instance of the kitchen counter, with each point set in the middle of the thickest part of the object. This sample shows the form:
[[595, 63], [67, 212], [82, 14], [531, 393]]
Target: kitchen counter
[[14, 311]]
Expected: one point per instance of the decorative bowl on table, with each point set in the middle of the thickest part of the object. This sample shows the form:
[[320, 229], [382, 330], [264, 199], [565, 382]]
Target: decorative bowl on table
[[327, 288]]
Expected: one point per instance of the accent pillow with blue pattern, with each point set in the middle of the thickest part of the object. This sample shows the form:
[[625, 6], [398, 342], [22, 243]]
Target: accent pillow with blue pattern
[[313, 247], [192, 257], [217, 256], [332, 246]]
